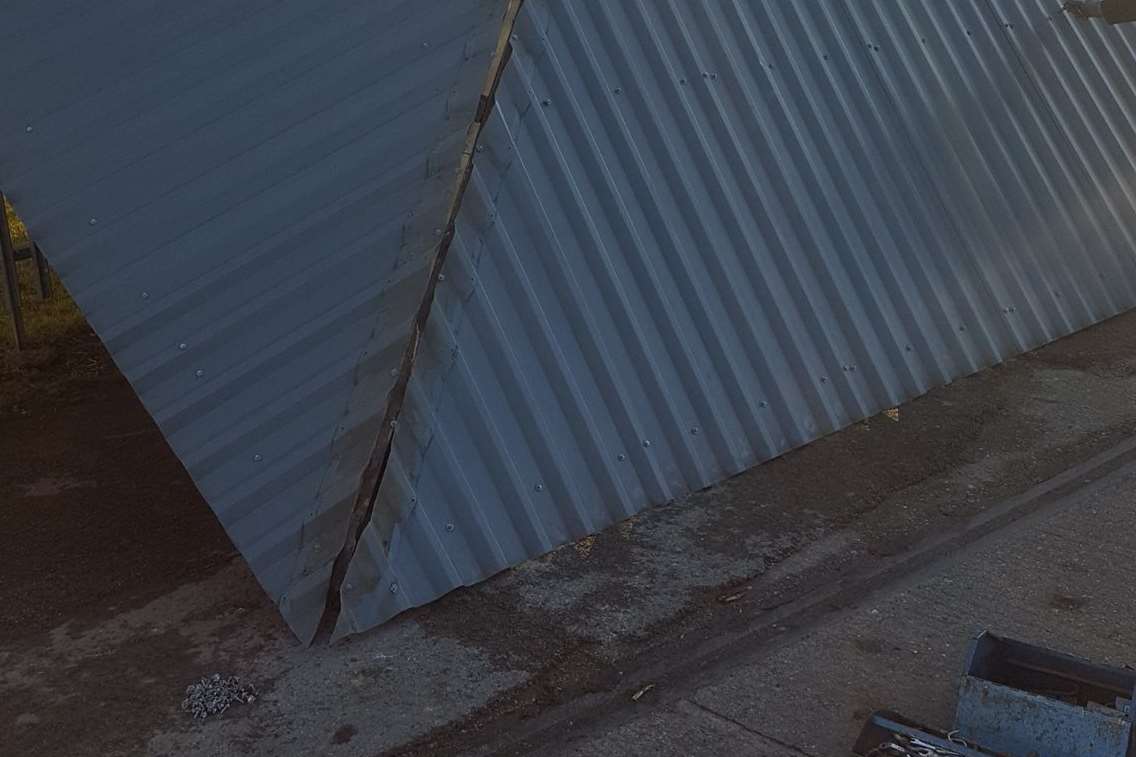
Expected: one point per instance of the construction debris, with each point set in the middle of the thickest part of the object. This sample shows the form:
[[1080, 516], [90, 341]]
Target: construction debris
[[214, 694], [639, 694]]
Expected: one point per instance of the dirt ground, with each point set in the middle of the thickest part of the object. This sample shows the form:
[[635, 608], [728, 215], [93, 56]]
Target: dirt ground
[[119, 588]]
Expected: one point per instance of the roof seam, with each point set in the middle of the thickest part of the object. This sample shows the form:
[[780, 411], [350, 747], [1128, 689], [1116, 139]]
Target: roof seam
[[371, 478]]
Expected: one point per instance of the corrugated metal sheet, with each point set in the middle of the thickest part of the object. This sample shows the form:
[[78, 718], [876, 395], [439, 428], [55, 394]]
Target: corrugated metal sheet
[[703, 233], [242, 198]]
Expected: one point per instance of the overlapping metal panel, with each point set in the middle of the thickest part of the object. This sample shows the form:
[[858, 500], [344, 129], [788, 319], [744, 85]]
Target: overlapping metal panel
[[705, 232], [242, 196]]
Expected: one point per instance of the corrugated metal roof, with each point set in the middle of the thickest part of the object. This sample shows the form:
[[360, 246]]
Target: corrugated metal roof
[[242, 197], [705, 233]]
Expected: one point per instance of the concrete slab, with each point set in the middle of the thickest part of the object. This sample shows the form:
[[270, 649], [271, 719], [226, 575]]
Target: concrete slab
[[1061, 578], [682, 729]]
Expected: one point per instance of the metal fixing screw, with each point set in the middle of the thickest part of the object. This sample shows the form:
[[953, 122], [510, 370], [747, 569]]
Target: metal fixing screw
[[618, 90], [28, 129], [539, 487], [394, 588], [182, 346], [621, 457], [145, 295], [646, 442], [694, 430], [763, 403], [199, 373], [92, 221], [257, 457], [546, 102], [450, 527], [441, 277]]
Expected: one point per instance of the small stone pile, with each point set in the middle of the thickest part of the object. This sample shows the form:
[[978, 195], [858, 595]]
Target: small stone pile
[[214, 694]]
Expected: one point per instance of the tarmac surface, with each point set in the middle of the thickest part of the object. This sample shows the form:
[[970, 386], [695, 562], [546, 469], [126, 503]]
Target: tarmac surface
[[746, 608]]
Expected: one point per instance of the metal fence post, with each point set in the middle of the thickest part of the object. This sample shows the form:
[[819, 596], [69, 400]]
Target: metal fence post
[[8, 277]]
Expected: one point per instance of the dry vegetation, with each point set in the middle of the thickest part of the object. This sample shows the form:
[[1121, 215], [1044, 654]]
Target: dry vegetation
[[63, 356]]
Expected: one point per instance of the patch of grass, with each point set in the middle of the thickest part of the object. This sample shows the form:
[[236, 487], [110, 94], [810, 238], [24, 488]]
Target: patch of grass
[[45, 321], [63, 355]]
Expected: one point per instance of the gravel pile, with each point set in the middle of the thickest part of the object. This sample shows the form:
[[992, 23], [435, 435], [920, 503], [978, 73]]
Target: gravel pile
[[214, 694]]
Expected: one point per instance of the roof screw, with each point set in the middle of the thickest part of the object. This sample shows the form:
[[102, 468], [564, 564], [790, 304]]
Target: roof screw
[[513, 37], [909, 348], [682, 80], [145, 295], [618, 90], [394, 588], [182, 346], [539, 487], [546, 102], [257, 458], [425, 44], [29, 129], [481, 148], [92, 221], [646, 442], [962, 327], [441, 277], [824, 379], [763, 403], [846, 369], [450, 527], [705, 74], [852, 367], [713, 76], [394, 372], [394, 424], [694, 430], [621, 457], [199, 373]]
